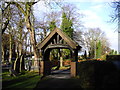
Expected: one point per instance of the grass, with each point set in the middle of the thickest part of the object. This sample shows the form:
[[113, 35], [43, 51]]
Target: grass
[[61, 68], [28, 80]]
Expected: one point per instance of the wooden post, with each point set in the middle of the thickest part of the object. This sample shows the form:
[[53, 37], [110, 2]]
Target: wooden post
[[75, 55], [58, 39], [54, 41]]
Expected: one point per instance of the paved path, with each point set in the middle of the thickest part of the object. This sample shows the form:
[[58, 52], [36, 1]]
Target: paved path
[[59, 79], [60, 74]]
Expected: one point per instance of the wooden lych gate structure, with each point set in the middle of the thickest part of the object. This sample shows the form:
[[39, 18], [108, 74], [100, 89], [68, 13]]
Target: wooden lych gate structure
[[57, 40]]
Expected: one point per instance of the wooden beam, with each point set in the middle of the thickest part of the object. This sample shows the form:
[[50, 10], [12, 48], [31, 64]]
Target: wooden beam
[[58, 39], [58, 46], [51, 43], [54, 41], [41, 44], [64, 42], [72, 43], [61, 41]]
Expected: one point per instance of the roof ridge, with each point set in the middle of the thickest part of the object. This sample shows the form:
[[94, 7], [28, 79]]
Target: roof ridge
[[63, 35]]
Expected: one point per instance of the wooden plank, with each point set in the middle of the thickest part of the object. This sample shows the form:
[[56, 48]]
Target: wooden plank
[[61, 41], [58, 39], [58, 46], [54, 41]]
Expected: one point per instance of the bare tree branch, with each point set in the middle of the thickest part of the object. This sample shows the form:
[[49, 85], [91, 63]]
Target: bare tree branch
[[19, 7]]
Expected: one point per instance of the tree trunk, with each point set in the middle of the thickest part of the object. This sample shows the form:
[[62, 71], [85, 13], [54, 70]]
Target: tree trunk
[[20, 56], [33, 40], [20, 49], [21, 63], [3, 53], [29, 26], [10, 49], [45, 32], [14, 67]]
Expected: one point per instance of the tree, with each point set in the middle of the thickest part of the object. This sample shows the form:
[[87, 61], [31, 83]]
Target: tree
[[4, 21], [46, 24], [5, 46], [113, 52], [91, 38], [116, 18], [98, 50], [71, 23], [73, 14], [8, 14], [20, 39], [27, 13], [11, 43], [85, 55], [78, 37], [17, 35], [5, 16], [53, 17], [52, 25], [41, 28], [66, 25]]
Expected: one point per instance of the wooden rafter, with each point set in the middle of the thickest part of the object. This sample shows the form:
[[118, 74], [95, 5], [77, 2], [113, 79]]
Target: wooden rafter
[[57, 40]]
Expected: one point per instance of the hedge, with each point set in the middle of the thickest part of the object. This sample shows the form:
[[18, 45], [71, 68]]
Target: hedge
[[113, 57], [98, 74]]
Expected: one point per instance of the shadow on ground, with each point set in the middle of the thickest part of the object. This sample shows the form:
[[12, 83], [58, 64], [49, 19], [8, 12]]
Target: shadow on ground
[[58, 79]]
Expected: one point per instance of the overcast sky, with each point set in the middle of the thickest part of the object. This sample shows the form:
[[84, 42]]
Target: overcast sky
[[97, 14]]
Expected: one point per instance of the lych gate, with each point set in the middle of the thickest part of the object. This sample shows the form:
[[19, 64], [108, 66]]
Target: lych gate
[[56, 40]]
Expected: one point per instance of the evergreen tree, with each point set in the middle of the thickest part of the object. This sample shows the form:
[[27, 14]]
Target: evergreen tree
[[66, 25], [54, 52], [52, 25], [115, 52], [85, 55], [112, 52], [89, 54], [98, 50]]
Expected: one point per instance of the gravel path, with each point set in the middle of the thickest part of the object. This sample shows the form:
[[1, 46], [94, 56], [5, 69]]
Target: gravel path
[[58, 79]]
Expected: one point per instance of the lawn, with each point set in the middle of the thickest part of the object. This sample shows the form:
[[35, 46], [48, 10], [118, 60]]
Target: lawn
[[27, 80], [61, 68]]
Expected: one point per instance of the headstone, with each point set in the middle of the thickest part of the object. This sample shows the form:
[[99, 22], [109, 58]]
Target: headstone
[[14, 73]]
